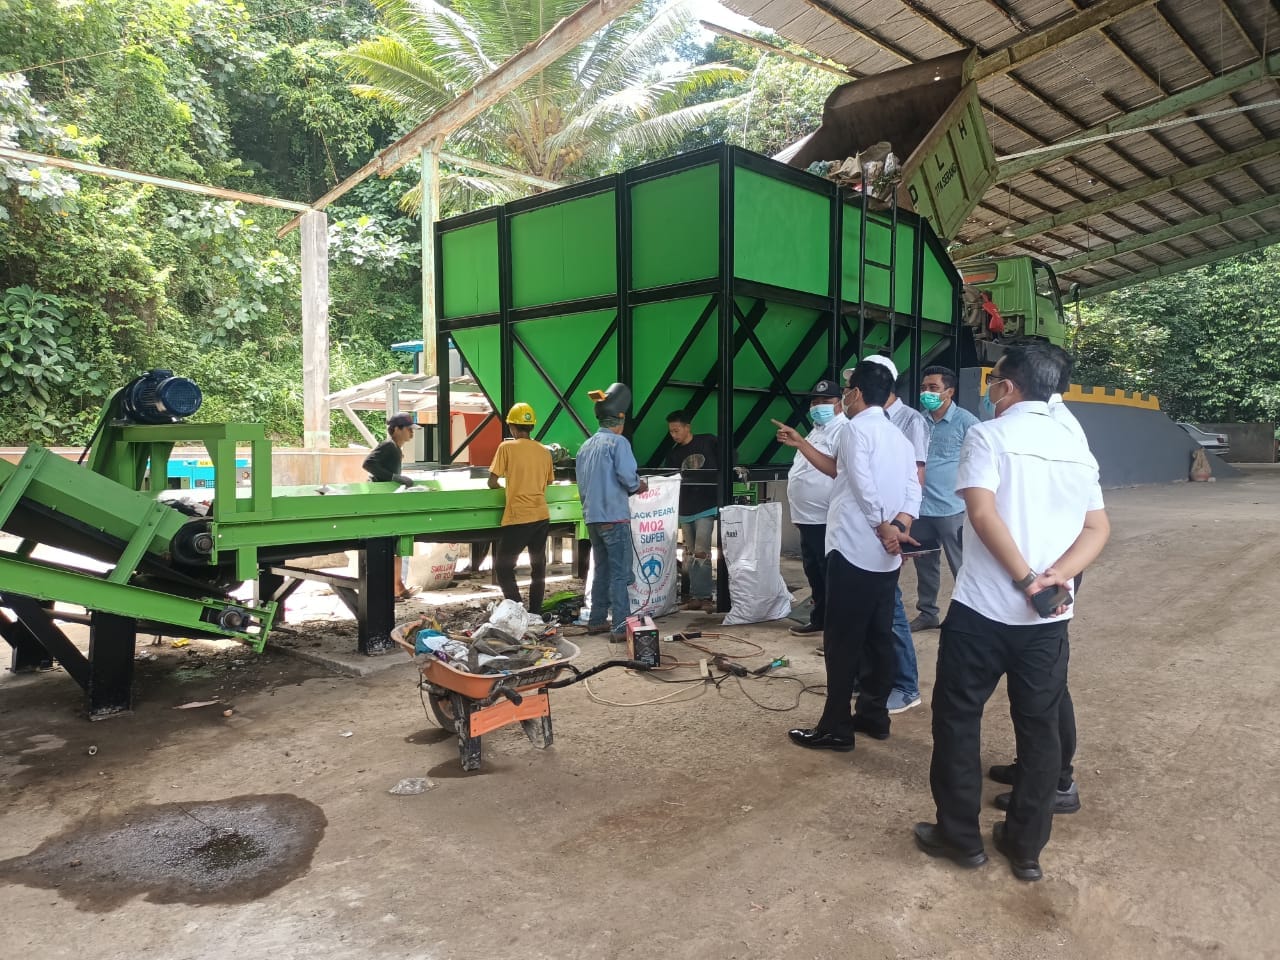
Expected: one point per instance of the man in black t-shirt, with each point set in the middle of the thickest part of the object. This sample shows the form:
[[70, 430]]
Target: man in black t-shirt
[[698, 506], [383, 465]]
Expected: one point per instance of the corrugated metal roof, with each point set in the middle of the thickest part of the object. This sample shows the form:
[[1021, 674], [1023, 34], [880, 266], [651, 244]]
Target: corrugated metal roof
[[1151, 52]]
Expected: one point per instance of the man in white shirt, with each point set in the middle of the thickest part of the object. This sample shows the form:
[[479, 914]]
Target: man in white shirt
[[809, 496], [1034, 519], [1067, 797], [876, 495], [906, 673]]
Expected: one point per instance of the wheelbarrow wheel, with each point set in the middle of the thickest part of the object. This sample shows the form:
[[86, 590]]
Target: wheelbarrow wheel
[[442, 710]]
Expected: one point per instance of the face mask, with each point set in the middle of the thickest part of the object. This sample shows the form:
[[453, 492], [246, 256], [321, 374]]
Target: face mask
[[822, 415], [930, 401], [989, 405]]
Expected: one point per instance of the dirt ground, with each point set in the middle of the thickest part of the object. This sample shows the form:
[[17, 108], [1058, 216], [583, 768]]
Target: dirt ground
[[691, 827]]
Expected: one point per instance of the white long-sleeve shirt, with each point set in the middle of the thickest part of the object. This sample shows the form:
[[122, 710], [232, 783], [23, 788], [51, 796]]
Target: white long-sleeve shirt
[[876, 480]]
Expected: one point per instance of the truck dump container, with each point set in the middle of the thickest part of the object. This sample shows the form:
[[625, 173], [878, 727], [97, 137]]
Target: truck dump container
[[929, 113]]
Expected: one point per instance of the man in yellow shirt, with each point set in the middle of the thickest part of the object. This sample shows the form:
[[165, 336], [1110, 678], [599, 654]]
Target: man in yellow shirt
[[526, 466]]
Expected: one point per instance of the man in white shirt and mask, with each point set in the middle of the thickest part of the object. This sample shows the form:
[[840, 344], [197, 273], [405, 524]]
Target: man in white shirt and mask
[[1067, 797], [906, 673], [809, 496], [1034, 520], [875, 497]]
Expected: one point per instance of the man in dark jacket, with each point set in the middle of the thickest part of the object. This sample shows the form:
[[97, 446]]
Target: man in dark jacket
[[383, 466]]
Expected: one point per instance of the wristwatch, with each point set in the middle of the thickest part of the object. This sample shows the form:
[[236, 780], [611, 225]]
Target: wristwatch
[[1026, 581], [895, 522]]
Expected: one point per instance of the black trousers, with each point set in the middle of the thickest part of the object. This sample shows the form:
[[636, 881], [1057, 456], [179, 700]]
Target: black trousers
[[813, 555], [511, 542], [973, 653], [1067, 727], [858, 640]]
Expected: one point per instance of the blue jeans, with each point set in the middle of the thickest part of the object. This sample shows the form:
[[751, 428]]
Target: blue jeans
[[697, 540], [612, 552], [906, 676]]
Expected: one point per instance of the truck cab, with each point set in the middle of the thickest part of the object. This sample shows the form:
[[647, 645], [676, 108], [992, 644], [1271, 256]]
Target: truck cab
[[1024, 291]]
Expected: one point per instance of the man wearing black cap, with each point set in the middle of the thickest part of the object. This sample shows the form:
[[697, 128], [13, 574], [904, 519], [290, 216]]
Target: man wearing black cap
[[607, 476], [383, 466], [809, 495]]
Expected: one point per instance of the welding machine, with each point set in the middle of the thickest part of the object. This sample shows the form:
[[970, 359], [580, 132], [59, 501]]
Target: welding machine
[[642, 640]]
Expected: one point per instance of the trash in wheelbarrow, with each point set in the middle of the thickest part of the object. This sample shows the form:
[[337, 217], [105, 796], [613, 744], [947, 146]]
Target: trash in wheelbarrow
[[487, 654]]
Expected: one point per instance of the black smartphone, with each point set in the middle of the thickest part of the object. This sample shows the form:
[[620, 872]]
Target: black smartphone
[[1050, 599], [926, 546]]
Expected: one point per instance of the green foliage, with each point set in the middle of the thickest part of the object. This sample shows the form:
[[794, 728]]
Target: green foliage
[[241, 276], [619, 91], [1206, 342]]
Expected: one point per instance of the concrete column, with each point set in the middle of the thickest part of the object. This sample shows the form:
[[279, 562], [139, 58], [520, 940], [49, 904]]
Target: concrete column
[[315, 330]]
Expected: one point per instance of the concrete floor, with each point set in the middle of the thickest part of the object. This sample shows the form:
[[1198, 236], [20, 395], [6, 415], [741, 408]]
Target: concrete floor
[[692, 828]]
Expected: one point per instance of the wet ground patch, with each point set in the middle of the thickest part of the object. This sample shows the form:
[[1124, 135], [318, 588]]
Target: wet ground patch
[[223, 851]]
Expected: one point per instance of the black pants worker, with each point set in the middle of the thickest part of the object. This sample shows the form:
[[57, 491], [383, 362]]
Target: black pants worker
[[512, 541], [973, 653], [858, 639]]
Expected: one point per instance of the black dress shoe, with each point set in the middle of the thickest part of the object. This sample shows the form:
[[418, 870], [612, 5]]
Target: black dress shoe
[[817, 740], [929, 838], [1022, 869], [864, 726], [1003, 772], [806, 629], [1064, 801]]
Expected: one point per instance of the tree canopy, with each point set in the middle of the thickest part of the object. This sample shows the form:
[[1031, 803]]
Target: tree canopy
[[101, 280]]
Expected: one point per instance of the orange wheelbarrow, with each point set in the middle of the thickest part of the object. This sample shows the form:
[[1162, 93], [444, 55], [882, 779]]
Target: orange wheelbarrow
[[473, 704]]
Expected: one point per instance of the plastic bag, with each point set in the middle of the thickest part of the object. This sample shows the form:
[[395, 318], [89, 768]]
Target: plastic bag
[[510, 618], [751, 538]]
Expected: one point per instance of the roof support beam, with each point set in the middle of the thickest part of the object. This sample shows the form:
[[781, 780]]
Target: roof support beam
[[1044, 41], [1231, 161], [115, 173], [519, 176], [1209, 90], [528, 63], [776, 50], [1178, 266], [1168, 233]]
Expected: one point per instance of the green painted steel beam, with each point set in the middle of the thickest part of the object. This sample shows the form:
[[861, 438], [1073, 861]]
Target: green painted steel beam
[[1178, 266], [1202, 171], [42, 582], [1097, 17], [1138, 241], [1176, 103], [362, 512], [94, 501]]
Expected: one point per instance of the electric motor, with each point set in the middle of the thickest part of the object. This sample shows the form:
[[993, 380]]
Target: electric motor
[[159, 397]]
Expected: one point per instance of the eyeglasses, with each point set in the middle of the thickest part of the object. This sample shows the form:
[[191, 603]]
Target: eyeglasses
[[991, 380]]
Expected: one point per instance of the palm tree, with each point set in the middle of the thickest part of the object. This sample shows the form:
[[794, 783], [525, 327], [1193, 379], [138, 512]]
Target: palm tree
[[619, 91]]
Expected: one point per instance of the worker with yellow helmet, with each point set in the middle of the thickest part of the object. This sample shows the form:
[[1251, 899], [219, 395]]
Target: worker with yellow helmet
[[525, 464]]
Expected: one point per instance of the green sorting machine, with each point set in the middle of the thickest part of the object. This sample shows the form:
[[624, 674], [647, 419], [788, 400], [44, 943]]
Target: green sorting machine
[[719, 282], [169, 567]]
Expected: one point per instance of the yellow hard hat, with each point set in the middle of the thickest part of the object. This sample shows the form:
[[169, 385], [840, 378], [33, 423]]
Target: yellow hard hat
[[521, 414]]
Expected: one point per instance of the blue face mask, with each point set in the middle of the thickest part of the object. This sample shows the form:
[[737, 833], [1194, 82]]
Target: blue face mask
[[930, 401], [822, 415], [987, 404]]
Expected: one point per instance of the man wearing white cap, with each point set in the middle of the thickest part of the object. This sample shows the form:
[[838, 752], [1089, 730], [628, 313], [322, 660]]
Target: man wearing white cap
[[906, 680]]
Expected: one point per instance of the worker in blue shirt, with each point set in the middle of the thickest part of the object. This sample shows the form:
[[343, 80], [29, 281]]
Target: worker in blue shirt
[[942, 509], [607, 476]]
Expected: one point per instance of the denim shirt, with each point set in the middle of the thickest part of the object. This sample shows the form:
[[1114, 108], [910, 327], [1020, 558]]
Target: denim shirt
[[945, 438], [607, 475]]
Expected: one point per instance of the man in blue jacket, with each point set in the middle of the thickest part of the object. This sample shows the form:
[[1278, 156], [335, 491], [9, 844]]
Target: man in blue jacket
[[607, 476]]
